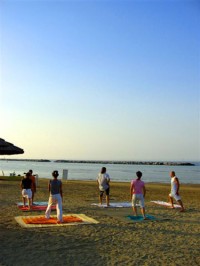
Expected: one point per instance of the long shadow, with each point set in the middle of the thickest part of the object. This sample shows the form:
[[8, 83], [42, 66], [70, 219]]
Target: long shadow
[[44, 246]]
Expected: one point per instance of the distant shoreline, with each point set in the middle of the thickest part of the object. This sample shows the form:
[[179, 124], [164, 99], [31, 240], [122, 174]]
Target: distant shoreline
[[106, 162]]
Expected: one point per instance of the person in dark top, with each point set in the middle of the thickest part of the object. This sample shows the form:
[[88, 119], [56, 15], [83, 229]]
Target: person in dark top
[[56, 196], [26, 184]]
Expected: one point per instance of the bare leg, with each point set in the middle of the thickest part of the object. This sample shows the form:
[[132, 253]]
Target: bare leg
[[181, 204], [24, 201], [171, 201], [107, 200], [135, 210], [29, 203], [143, 212], [100, 199], [32, 196]]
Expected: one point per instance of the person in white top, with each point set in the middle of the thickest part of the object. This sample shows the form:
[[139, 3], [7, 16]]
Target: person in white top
[[103, 180], [175, 191]]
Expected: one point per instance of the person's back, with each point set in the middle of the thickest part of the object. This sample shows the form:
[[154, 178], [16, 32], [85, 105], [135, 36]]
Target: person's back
[[138, 186], [26, 183], [55, 186], [103, 180], [26, 190], [137, 192], [55, 189]]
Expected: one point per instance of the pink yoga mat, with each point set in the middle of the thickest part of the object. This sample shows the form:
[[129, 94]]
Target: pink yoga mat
[[36, 208]]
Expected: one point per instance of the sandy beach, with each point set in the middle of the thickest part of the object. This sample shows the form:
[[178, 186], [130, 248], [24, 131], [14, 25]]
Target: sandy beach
[[171, 239]]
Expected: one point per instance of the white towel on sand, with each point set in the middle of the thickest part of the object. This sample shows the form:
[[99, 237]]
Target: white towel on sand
[[163, 203], [114, 205]]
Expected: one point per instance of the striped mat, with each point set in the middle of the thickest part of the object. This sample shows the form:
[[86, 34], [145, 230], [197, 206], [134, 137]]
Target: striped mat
[[41, 221]]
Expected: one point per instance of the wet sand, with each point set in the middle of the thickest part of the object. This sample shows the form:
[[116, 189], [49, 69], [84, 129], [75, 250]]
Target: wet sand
[[172, 239]]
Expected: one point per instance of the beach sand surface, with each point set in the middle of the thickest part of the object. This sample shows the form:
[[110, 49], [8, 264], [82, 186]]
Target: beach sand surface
[[171, 239]]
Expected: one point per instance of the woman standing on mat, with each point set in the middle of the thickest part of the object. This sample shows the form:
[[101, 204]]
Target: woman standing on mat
[[138, 191], [55, 189], [103, 181], [26, 190]]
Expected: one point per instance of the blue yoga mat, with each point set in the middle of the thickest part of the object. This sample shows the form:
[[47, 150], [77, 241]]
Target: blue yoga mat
[[140, 218]]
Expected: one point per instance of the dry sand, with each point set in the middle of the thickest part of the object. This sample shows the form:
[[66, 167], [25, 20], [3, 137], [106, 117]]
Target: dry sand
[[173, 239]]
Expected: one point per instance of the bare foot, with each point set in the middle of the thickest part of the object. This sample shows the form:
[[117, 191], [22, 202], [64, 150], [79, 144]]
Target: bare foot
[[171, 207]]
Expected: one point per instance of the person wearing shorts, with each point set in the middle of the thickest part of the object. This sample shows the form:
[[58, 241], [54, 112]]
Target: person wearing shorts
[[103, 180], [174, 194], [138, 191], [26, 190]]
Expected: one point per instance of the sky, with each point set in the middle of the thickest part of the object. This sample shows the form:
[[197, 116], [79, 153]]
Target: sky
[[101, 80]]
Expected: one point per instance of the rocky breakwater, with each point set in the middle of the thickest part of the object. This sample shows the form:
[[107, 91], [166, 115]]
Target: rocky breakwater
[[127, 162]]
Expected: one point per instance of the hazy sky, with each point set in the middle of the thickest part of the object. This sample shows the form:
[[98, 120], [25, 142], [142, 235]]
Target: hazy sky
[[116, 80]]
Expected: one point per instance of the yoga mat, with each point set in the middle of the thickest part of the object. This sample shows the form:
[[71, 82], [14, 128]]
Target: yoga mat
[[38, 203], [115, 205], [140, 218], [166, 204], [36, 208], [41, 221], [51, 220]]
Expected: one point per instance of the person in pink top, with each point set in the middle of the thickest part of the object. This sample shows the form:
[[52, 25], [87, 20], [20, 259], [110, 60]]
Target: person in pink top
[[138, 191]]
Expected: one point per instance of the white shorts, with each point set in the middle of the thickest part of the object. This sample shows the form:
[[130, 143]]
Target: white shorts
[[138, 198], [27, 193], [175, 196]]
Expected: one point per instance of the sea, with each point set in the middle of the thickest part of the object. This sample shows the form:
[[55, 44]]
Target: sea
[[89, 171]]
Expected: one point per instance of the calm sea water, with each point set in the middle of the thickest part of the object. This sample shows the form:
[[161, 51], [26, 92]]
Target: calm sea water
[[117, 172]]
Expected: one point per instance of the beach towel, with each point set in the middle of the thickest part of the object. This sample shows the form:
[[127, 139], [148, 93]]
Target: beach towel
[[41, 221], [38, 206], [166, 204], [140, 218], [114, 205]]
